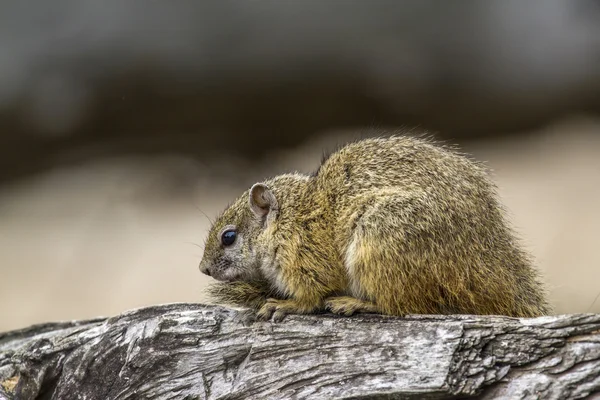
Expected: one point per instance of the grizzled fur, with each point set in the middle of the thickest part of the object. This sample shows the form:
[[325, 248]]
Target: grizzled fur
[[390, 225]]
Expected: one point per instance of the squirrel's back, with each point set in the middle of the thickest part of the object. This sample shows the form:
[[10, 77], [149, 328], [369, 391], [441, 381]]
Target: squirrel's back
[[400, 163]]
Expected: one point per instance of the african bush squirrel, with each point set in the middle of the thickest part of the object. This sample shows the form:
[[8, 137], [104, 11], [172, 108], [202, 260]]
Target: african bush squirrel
[[395, 225]]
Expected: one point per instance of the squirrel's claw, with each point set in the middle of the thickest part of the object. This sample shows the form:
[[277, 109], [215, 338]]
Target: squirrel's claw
[[278, 309], [267, 310], [279, 315]]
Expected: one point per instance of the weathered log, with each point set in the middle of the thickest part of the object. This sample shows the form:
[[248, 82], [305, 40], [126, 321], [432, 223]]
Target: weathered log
[[193, 351]]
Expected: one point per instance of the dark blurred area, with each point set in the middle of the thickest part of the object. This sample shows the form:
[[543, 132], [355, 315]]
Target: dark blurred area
[[79, 79], [123, 123]]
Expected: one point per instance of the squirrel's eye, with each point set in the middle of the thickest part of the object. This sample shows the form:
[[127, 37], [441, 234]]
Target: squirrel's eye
[[228, 237]]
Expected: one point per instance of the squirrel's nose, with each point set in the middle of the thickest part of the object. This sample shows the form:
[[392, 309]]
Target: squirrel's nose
[[204, 269]]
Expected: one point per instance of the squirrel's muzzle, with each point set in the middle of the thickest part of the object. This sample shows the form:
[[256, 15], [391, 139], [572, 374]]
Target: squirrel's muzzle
[[204, 268]]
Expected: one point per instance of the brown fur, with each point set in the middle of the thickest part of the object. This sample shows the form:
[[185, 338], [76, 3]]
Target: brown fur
[[244, 294], [391, 225]]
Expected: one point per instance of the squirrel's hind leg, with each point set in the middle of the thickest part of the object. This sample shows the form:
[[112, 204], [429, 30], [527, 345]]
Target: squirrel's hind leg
[[345, 305], [388, 258]]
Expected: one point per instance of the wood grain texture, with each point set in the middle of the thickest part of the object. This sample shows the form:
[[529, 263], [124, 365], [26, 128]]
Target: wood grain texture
[[194, 351]]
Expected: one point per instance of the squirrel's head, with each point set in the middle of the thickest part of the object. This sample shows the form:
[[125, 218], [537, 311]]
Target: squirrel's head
[[230, 252]]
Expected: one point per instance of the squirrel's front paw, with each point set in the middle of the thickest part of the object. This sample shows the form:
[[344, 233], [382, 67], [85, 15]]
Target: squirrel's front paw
[[267, 310], [278, 309]]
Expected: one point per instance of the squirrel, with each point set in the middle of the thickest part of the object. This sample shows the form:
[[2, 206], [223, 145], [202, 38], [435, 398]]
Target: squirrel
[[391, 225]]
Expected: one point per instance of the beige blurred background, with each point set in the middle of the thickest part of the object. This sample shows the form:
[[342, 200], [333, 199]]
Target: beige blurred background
[[123, 128], [127, 232]]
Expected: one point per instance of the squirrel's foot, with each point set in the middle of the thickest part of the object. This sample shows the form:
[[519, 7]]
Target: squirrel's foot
[[278, 309], [345, 305]]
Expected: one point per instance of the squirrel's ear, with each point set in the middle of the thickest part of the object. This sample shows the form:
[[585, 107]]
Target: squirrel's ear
[[263, 202]]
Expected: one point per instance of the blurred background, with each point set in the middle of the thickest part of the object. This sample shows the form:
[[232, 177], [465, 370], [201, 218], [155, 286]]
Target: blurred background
[[124, 126]]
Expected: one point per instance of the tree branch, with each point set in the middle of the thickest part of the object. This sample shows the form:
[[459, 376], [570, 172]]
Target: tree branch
[[192, 351]]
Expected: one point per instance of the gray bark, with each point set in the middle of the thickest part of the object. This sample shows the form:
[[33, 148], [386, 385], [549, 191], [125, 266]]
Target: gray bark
[[193, 351]]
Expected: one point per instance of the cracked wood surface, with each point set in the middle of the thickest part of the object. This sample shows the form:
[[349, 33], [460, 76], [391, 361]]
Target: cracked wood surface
[[194, 351]]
